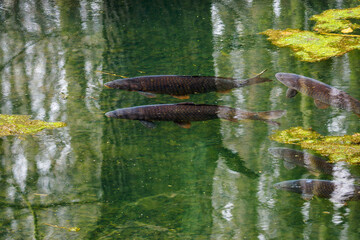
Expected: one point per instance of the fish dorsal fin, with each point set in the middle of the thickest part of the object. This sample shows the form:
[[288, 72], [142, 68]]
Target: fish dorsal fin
[[290, 93], [186, 103], [320, 104]]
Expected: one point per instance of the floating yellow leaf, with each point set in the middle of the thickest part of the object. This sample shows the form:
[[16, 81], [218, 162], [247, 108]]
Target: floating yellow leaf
[[336, 148], [22, 125]]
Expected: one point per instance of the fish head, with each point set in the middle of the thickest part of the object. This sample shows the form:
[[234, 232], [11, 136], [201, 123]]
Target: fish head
[[288, 79], [124, 84], [111, 114], [291, 186], [124, 113], [276, 152]]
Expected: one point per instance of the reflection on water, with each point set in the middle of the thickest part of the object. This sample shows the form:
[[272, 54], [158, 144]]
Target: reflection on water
[[114, 179]]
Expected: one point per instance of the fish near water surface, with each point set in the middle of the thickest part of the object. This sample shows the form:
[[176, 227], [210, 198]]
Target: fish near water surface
[[181, 86], [335, 190], [311, 162], [324, 95], [185, 113]]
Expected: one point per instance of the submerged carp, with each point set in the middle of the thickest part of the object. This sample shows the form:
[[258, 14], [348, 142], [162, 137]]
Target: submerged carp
[[335, 190], [184, 113], [294, 157], [324, 95], [181, 86]]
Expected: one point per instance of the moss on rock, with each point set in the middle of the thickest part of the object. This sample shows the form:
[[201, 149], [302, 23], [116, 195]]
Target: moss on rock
[[22, 125], [330, 36], [336, 148]]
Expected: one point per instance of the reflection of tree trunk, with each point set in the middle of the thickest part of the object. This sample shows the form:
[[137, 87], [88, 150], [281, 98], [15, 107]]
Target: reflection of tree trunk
[[78, 117]]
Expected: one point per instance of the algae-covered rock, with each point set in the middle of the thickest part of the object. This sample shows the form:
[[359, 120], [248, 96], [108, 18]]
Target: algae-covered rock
[[336, 148], [22, 125], [310, 46], [337, 20], [330, 36]]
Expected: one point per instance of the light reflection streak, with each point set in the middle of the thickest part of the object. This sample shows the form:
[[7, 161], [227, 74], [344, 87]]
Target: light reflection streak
[[305, 211], [224, 195], [277, 8], [37, 69], [218, 25], [20, 167]]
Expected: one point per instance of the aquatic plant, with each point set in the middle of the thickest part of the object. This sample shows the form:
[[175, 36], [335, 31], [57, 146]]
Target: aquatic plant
[[22, 125], [330, 36], [336, 148]]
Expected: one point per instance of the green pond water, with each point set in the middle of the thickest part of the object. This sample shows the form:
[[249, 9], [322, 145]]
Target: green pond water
[[116, 179]]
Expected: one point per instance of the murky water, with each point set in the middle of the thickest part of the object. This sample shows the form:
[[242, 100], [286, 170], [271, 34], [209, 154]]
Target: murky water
[[116, 179]]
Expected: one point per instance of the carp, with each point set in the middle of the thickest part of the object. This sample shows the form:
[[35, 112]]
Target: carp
[[185, 113], [311, 162], [324, 95], [181, 86], [335, 190]]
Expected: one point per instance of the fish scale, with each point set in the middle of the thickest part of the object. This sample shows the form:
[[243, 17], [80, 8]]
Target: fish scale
[[324, 95], [338, 191], [188, 112], [181, 86]]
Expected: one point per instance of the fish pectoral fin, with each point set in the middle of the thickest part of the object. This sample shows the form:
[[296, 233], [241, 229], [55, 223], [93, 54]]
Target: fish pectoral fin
[[307, 196], [315, 173], [147, 94], [290, 93], [148, 124], [224, 91], [233, 119], [273, 123], [181, 97], [289, 165], [184, 124], [320, 104]]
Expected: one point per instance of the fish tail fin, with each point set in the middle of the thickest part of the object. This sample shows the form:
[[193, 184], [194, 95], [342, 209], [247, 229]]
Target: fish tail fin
[[267, 116], [254, 80]]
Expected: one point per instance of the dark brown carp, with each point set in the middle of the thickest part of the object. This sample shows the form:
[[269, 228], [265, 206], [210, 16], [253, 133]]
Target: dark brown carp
[[324, 95], [311, 162], [335, 190], [181, 86], [185, 113]]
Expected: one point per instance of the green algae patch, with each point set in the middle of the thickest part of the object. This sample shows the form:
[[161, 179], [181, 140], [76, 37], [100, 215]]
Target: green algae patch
[[22, 125], [330, 37], [337, 20], [336, 148], [310, 46]]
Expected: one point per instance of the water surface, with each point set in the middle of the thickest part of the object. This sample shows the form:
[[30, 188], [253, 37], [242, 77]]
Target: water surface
[[116, 179]]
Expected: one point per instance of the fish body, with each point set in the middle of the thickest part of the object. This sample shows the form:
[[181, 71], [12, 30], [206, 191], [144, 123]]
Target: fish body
[[181, 86], [336, 190], [184, 113], [303, 159], [324, 95]]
